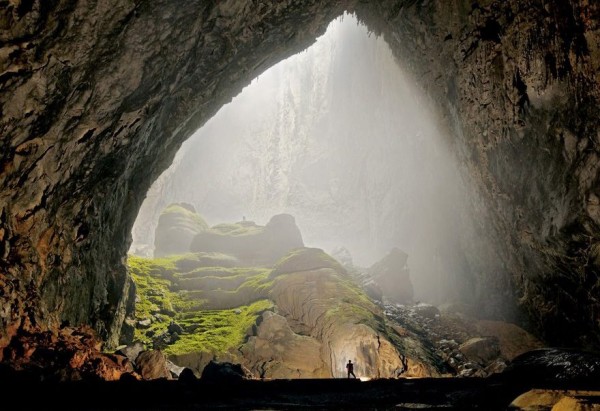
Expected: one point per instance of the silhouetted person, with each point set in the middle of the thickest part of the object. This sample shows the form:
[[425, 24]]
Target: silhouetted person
[[350, 368], [404, 361]]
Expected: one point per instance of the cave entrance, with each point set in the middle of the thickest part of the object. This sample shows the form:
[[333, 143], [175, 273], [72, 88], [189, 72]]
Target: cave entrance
[[340, 138]]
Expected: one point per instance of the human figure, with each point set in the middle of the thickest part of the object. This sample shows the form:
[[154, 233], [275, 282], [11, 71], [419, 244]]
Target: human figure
[[350, 368], [404, 361]]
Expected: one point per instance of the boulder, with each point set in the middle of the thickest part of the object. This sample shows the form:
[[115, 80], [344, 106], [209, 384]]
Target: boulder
[[513, 340], [250, 243], [152, 365], [175, 369], [557, 400], [175, 328], [554, 364], [131, 351], [305, 259], [482, 350], [178, 224], [223, 372], [278, 352], [426, 311], [187, 376], [392, 275]]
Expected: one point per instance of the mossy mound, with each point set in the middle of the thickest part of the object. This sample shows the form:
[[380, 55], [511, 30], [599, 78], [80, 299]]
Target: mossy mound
[[250, 243], [177, 225], [304, 259], [196, 312], [164, 308]]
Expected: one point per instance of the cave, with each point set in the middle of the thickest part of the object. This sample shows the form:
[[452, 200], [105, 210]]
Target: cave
[[97, 99]]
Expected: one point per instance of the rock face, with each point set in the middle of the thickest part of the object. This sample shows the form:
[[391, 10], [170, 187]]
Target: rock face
[[69, 355], [250, 243], [152, 365], [178, 224], [303, 318], [392, 276], [97, 97]]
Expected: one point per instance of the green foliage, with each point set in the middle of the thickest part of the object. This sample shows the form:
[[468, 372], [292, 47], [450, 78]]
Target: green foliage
[[234, 290], [182, 214], [155, 299], [217, 331], [304, 259]]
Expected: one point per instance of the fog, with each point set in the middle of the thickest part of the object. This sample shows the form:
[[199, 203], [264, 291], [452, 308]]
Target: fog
[[342, 138]]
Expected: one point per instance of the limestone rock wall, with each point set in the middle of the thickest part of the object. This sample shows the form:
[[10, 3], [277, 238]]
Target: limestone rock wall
[[97, 96], [520, 86]]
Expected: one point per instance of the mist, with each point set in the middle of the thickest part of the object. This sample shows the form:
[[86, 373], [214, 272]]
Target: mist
[[343, 139]]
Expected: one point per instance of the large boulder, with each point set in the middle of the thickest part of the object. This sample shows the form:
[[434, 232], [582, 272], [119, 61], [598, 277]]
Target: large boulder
[[249, 242], [224, 372], [392, 275], [152, 365], [305, 259], [278, 352], [554, 364], [482, 350], [178, 224]]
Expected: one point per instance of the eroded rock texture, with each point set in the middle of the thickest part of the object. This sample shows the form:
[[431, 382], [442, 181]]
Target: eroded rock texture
[[97, 96]]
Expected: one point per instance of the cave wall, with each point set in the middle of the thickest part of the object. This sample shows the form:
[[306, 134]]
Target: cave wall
[[97, 97], [519, 83]]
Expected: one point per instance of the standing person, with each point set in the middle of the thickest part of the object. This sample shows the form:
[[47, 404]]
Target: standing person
[[350, 368]]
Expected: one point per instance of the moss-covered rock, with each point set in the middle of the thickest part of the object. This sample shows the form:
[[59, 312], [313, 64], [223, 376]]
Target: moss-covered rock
[[304, 259], [196, 313], [177, 226], [251, 243]]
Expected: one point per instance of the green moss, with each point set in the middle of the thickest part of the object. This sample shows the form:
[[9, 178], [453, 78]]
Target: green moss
[[260, 283], [185, 217], [154, 297], [218, 331], [237, 229], [304, 259], [232, 289], [191, 261]]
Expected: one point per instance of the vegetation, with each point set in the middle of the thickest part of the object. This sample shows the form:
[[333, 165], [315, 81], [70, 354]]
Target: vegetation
[[184, 214], [164, 297], [215, 306], [304, 259], [217, 331]]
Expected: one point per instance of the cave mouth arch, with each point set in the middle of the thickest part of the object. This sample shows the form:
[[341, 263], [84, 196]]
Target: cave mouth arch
[[339, 137], [121, 95]]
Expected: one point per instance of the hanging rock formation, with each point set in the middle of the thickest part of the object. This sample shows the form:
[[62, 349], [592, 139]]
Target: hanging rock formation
[[97, 97]]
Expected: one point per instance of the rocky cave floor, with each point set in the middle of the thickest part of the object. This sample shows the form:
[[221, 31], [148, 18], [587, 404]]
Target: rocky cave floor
[[536, 380], [383, 394]]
